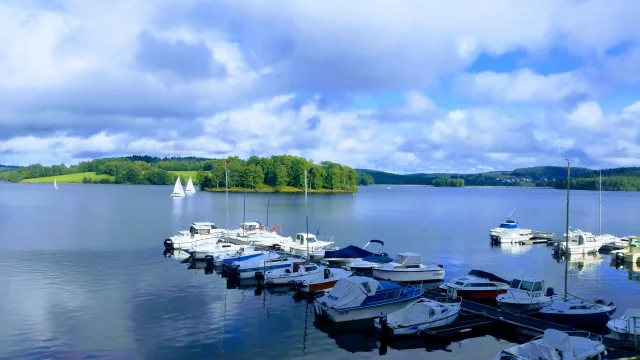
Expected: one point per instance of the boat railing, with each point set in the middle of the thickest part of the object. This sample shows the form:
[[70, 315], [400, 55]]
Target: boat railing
[[449, 300], [580, 333], [327, 238]]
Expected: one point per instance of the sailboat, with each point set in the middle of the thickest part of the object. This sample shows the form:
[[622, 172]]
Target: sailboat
[[574, 311], [190, 189], [55, 184], [177, 189]]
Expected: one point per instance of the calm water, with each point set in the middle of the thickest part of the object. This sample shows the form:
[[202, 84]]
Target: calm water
[[83, 273]]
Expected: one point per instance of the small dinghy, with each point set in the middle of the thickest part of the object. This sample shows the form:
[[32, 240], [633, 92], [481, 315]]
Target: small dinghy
[[406, 267], [525, 294], [321, 281], [419, 315], [557, 345], [627, 326], [358, 297]]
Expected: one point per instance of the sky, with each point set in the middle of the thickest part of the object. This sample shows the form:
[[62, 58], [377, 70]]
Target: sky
[[402, 86]]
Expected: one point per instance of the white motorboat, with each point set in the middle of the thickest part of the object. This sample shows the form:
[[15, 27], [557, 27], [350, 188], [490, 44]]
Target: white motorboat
[[199, 232], [190, 189], [477, 285], [525, 294], [626, 327], [329, 278], [217, 249], [419, 315], [253, 232], [580, 242], [509, 233], [307, 242], [406, 267], [252, 268], [351, 253], [557, 345], [300, 270], [177, 189], [358, 297], [365, 265]]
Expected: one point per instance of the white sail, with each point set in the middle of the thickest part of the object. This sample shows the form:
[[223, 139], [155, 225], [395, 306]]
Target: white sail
[[55, 184], [177, 189], [190, 188]]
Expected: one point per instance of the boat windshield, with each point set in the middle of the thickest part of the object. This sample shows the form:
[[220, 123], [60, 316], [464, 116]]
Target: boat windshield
[[515, 283], [538, 286]]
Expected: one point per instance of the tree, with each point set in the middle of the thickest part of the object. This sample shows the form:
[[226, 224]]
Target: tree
[[316, 177], [200, 175], [365, 179], [157, 177], [217, 173], [253, 175], [282, 176]]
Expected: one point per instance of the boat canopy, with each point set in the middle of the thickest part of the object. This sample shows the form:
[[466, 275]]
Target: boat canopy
[[407, 259], [509, 224], [349, 252], [557, 340], [488, 276], [351, 291]]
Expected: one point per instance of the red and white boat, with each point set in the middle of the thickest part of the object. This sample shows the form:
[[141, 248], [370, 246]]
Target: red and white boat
[[477, 285]]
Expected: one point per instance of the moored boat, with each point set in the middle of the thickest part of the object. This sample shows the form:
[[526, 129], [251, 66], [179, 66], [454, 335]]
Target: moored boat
[[406, 267], [300, 269], [477, 285], [525, 294], [509, 233], [557, 345], [365, 265], [198, 233], [350, 253], [329, 278], [358, 297], [417, 316], [627, 326]]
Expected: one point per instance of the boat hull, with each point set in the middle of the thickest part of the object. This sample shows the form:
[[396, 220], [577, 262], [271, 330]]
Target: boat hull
[[416, 328], [591, 321], [338, 315], [408, 276], [523, 306]]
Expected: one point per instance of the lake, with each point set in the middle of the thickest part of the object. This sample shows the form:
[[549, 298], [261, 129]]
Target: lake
[[83, 273]]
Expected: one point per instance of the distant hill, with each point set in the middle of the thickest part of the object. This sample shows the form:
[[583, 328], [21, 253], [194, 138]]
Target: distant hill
[[538, 176], [4, 168]]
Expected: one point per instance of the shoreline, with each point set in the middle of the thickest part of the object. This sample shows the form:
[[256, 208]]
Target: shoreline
[[281, 191]]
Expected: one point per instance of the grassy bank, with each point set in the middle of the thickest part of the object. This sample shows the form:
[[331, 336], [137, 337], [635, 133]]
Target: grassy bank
[[184, 175], [70, 178], [280, 189]]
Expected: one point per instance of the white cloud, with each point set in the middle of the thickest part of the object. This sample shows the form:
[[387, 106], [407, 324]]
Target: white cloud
[[523, 86], [587, 115]]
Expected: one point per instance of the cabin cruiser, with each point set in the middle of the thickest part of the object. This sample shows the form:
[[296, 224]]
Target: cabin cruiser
[[406, 267], [300, 270], [625, 327], [198, 232], [557, 345], [199, 251], [525, 294], [580, 242], [350, 253], [307, 242], [366, 265], [358, 297], [257, 267], [578, 313], [509, 232], [419, 315], [477, 285], [253, 232], [329, 278]]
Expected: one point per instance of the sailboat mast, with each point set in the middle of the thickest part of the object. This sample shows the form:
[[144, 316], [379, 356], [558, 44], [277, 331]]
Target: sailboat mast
[[306, 211], [268, 196], [600, 206], [226, 191], [244, 206], [566, 247]]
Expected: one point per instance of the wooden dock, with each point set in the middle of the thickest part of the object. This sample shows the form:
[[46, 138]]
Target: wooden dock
[[526, 324]]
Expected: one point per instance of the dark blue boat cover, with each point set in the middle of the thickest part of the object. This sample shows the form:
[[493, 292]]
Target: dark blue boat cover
[[348, 252], [380, 259], [488, 276]]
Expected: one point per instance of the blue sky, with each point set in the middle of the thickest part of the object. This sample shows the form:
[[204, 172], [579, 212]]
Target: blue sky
[[403, 86]]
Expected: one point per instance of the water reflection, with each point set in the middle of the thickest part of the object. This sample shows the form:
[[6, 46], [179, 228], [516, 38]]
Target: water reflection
[[513, 249], [585, 263], [632, 269]]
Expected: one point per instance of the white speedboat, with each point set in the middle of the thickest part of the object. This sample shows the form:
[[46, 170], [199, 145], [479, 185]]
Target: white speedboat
[[557, 345], [300, 270], [509, 233], [580, 242], [350, 253], [177, 189], [329, 278], [525, 294], [365, 265], [307, 242], [358, 297], [419, 315], [215, 249], [252, 268], [253, 232], [477, 285], [198, 233], [627, 326], [406, 267]]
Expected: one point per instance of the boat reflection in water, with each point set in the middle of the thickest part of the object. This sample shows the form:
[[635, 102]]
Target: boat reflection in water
[[512, 249], [585, 263], [633, 269]]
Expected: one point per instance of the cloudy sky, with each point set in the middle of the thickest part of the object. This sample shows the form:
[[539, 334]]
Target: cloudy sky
[[404, 86]]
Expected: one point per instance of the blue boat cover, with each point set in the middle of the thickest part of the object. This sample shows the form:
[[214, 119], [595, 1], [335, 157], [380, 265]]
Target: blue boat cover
[[380, 259], [488, 276], [348, 252]]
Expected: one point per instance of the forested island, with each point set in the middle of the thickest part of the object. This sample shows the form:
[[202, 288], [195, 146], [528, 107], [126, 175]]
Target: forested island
[[616, 179], [282, 173]]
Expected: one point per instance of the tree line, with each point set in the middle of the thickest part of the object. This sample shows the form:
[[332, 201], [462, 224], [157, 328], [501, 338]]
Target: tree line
[[255, 172], [609, 183]]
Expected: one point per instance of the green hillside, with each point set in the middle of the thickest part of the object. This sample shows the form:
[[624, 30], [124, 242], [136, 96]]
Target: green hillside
[[71, 178]]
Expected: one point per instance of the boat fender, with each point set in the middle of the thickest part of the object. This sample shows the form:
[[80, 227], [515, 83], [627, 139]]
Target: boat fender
[[168, 244]]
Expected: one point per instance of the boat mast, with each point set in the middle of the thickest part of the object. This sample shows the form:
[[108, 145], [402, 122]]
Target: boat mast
[[268, 196], [306, 211], [244, 206], [566, 247], [226, 191], [600, 207]]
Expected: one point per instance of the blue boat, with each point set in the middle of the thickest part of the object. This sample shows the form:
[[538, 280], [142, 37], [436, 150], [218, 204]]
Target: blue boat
[[350, 253], [359, 297], [578, 313]]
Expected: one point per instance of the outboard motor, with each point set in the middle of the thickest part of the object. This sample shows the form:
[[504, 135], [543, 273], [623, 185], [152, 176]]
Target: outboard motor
[[168, 244], [259, 277], [600, 302], [549, 292], [383, 322], [208, 260], [619, 257], [327, 273]]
